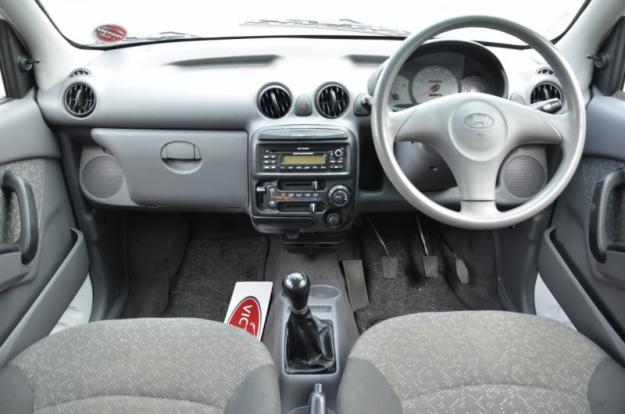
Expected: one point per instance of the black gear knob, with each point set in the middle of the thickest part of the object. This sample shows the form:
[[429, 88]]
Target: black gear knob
[[296, 287]]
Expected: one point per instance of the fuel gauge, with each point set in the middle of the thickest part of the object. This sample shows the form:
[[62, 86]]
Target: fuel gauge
[[474, 84]]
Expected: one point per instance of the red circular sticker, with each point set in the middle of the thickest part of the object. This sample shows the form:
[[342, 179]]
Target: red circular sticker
[[109, 33]]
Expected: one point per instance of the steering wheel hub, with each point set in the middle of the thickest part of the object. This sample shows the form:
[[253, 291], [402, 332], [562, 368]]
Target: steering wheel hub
[[478, 130]]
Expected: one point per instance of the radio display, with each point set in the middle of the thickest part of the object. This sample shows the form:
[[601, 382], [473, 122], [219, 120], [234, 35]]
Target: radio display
[[304, 159]]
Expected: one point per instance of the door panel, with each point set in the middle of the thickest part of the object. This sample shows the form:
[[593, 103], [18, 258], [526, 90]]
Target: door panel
[[29, 150], [595, 303]]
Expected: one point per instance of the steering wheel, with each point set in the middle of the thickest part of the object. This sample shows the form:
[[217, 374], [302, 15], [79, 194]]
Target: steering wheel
[[474, 132]]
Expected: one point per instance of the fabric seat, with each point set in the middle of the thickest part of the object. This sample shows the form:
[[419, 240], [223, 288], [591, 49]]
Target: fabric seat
[[478, 362], [143, 365]]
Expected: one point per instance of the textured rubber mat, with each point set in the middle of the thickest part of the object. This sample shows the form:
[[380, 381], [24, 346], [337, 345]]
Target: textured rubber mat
[[410, 291], [209, 271]]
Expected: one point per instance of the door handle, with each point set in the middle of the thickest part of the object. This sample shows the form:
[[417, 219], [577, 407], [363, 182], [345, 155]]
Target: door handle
[[28, 239], [610, 254]]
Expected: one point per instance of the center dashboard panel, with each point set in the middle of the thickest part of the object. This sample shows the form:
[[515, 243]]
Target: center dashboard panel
[[304, 178]]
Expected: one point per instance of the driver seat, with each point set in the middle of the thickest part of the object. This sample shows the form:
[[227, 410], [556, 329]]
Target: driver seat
[[478, 362]]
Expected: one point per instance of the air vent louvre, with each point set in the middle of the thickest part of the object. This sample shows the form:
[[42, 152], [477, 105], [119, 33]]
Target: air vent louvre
[[545, 71], [544, 91], [79, 99], [332, 101], [274, 101]]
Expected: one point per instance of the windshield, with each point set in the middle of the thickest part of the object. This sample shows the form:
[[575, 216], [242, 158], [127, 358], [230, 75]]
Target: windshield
[[102, 23]]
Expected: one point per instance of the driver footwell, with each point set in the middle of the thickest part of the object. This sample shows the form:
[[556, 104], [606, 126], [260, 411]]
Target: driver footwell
[[408, 290]]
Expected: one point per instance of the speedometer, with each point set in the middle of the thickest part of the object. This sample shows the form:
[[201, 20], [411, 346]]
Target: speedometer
[[433, 82]]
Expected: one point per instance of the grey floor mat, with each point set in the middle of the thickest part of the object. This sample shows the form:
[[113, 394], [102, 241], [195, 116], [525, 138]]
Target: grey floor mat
[[209, 271], [410, 291]]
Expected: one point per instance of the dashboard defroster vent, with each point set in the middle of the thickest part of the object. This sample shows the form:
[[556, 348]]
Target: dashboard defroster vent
[[332, 100], [79, 72], [545, 91], [545, 71], [274, 101], [79, 99]]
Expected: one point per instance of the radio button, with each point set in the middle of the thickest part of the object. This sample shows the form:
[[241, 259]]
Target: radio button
[[338, 152]]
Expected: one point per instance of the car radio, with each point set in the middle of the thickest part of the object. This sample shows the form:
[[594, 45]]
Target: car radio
[[303, 158]]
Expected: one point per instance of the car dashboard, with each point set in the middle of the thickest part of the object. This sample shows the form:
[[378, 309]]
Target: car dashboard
[[278, 128]]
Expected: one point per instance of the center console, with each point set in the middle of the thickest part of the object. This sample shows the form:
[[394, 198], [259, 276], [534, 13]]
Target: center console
[[303, 179]]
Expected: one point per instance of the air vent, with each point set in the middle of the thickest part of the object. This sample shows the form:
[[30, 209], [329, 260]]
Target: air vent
[[79, 72], [274, 101], [332, 101], [544, 91], [545, 71], [79, 99]]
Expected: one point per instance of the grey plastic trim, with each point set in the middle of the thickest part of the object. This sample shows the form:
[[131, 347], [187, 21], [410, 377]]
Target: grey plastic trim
[[219, 180], [605, 117], [574, 300], [23, 140], [46, 310]]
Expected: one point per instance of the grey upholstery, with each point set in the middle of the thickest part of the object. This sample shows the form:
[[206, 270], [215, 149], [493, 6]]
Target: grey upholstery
[[482, 362], [143, 365]]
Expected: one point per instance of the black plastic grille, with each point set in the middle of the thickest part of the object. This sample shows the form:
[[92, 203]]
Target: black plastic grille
[[274, 102], [79, 99], [544, 91], [332, 101]]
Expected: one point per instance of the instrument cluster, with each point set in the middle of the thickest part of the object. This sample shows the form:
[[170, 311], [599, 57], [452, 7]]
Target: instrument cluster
[[447, 67]]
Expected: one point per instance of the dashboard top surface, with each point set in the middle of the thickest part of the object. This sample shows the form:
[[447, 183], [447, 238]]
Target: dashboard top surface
[[215, 84]]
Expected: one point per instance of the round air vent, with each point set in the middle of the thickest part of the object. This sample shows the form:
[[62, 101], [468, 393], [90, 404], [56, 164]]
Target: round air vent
[[544, 91], [79, 99], [274, 101], [79, 72], [332, 100]]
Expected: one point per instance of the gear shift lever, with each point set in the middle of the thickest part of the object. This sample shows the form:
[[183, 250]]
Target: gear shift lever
[[296, 287], [309, 341]]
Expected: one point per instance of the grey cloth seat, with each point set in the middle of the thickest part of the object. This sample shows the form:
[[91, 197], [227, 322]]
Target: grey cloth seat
[[478, 362], [143, 365]]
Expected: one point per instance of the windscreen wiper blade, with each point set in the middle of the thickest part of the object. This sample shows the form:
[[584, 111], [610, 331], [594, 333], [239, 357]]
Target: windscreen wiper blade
[[347, 25]]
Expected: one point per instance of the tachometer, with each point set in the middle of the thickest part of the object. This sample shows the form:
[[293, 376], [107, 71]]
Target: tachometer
[[433, 82]]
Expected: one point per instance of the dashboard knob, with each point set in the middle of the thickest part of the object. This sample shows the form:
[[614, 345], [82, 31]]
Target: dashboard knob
[[333, 220], [339, 196]]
